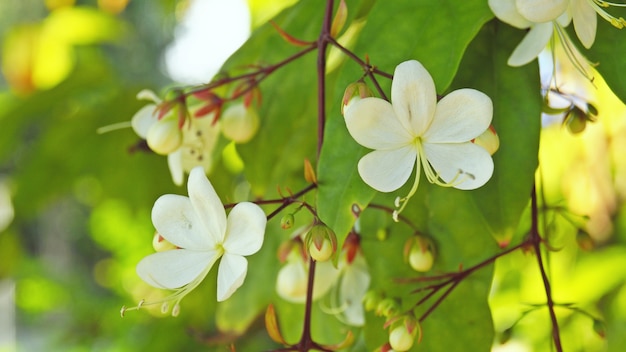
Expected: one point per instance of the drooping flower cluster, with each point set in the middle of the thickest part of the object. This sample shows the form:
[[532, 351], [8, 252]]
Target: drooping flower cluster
[[415, 131], [201, 234], [186, 146], [345, 286]]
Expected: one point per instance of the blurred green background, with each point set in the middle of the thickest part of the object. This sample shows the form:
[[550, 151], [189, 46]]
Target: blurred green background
[[75, 205]]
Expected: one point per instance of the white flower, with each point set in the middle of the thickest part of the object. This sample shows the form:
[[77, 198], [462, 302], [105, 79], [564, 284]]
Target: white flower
[[352, 284], [292, 279], [417, 132], [543, 17], [197, 225], [585, 19], [199, 136]]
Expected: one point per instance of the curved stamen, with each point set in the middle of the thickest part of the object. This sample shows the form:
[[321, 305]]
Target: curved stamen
[[431, 175], [599, 5], [571, 51]]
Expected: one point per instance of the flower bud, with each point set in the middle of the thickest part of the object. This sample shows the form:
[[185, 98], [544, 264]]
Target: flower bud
[[387, 307], [403, 331], [355, 91], [321, 242], [287, 221], [401, 339], [239, 123], [371, 300], [488, 140], [584, 240], [160, 244], [575, 120], [164, 136], [599, 327], [418, 251]]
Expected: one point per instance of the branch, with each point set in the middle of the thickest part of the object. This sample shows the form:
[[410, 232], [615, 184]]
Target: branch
[[535, 239]]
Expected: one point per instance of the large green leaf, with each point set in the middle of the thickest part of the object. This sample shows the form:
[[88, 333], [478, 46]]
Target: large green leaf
[[288, 114], [435, 33], [386, 46], [516, 117]]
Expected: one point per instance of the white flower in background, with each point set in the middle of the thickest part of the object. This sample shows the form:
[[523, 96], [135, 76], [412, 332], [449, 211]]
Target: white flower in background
[[543, 17], [586, 22], [292, 279], [186, 147], [414, 131], [202, 233], [349, 290]]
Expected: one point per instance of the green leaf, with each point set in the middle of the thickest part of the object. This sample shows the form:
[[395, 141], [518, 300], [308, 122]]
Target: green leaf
[[516, 117], [288, 114], [435, 33]]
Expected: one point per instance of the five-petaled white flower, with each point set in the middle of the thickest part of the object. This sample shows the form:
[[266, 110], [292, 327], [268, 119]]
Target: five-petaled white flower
[[194, 147], [416, 131], [197, 225]]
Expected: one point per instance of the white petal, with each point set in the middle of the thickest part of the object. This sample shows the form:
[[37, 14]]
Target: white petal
[[245, 229], [230, 275], [175, 268], [372, 122], [325, 277], [413, 96], [208, 206], [532, 44], [147, 94], [506, 11], [175, 164], [175, 219], [291, 282], [460, 116], [388, 170], [354, 285], [539, 11], [448, 159], [585, 21], [143, 120]]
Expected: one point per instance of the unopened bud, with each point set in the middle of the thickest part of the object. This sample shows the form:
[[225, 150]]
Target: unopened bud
[[287, 221], [599, 327], [418, 251], [239, 123], [355, 91], [321, 242], [164, 136], [575, 120], [403, 332], [160, 244], [584, 240], [387, 307], [371, 299], [401, 339], [488, 140]]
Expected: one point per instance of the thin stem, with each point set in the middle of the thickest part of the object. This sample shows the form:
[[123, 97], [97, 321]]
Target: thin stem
[[322, 44], [369, 69], [535, 238], [263, 71]]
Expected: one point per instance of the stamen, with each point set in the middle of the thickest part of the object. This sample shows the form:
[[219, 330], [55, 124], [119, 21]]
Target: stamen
[[113, 127], [571, 51], [598, 6]]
